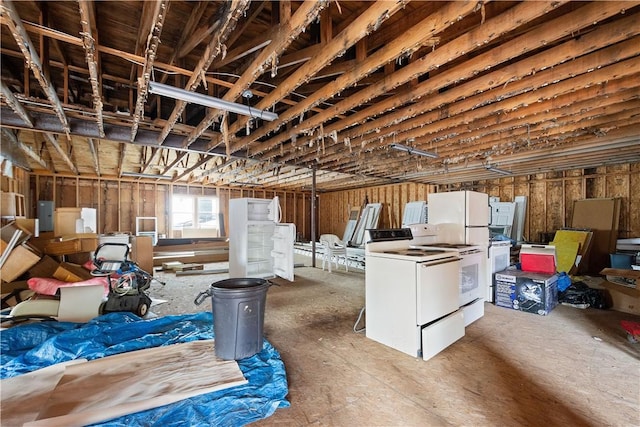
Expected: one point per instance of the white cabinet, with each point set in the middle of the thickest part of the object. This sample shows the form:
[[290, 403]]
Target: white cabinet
[[258, 246]]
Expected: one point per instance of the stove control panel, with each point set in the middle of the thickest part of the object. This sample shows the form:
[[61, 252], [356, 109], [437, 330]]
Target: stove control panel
[[388, 234]]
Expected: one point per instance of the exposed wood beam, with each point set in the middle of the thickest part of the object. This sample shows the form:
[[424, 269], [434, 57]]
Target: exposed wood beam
[[26, 149], [497, 79], [226, 25], [202, 159], [360, 28], [51, 139], [192, 22], [88, 21], [476, 37], [217, 26], [411, 40], [94, 155], [15, 104], [214, 48], [153, 40], [223, 163], [284, 36], [547, 92], [166, 67], [241, 51], [19, 33], [515, 133], [122, 154], [179, 157]]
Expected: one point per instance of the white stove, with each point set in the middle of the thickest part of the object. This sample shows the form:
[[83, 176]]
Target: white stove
[[415, 254], [459, 248], [473, 280], [411, 294]]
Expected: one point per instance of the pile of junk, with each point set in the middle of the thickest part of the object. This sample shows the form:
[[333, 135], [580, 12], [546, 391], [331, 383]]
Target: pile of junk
[[117, 284]]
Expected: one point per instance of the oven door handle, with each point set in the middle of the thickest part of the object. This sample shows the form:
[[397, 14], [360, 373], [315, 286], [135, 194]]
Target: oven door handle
[[438, 262]]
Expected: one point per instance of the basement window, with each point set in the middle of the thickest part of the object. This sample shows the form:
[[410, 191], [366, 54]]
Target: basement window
[[194, 216]]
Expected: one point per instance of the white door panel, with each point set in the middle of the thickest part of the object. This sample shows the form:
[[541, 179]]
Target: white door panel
[[284, 237]]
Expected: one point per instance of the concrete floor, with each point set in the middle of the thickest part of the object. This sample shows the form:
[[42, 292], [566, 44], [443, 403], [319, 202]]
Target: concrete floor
[[572, 368]]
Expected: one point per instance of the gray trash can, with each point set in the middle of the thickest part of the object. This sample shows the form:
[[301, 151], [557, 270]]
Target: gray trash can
[[238, 316]]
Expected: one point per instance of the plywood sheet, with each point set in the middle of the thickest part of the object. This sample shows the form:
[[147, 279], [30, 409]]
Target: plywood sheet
[[602, 217], [114, 386]]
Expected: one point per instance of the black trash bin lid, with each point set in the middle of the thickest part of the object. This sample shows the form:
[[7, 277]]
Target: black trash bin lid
[[240, 283]]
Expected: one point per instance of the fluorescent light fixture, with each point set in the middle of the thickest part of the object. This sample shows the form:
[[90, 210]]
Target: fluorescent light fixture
[[500, 171], [145, 175], [209, 101], [412, 150]]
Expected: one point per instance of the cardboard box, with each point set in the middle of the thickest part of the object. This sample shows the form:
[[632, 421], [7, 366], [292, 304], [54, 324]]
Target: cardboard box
[[71, 244], [68, 272], [622, 277], [538, 258], [623, 288], [626, 300], [62, 247], [44, 268], [526, 291], [64, 220], [18, 262]]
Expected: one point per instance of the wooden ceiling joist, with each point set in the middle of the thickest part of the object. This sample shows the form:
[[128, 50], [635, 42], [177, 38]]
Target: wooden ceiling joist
[[153, 40], [504, 23], [26, 149], [410, 41], [94, 155], [505, 80], [8, 11], [332, 49], [88, 20], [15, 104], [51, 139], [475, 82], [284, 35], [225, 25]]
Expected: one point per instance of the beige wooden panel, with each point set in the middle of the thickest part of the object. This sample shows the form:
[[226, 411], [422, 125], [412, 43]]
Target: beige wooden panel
[[537, 209], [127, 212], [111, 206], [555, 205], [617, 186], [634, 201], [573, 188], [146, 199], [65, 193]]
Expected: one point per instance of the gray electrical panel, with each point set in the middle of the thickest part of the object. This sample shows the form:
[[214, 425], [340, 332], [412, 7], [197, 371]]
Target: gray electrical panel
[[45, 215]]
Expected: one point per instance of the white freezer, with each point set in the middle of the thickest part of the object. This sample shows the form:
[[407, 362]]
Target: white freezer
[[468, 208], [458, 233]]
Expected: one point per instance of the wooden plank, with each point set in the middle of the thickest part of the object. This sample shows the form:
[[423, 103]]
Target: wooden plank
[[188, 267], [170, 265], [78, 399]]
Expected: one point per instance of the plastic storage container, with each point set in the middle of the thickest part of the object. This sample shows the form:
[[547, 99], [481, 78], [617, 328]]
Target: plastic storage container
[[238, 316], [622, 260]]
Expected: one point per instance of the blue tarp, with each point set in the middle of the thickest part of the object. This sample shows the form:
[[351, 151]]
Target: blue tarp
[[25, 348]]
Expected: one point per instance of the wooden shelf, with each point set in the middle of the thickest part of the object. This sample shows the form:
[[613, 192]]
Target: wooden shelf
[[12, 205]]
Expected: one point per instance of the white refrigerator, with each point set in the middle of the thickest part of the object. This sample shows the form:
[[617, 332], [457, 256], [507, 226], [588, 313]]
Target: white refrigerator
[[462, 217], [259, 246]]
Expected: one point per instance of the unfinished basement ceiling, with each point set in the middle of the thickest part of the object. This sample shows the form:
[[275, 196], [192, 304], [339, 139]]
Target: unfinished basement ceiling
[[526, 87]]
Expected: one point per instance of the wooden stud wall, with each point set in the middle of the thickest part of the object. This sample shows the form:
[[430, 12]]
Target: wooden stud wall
[[550, 198], [119, 202]]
